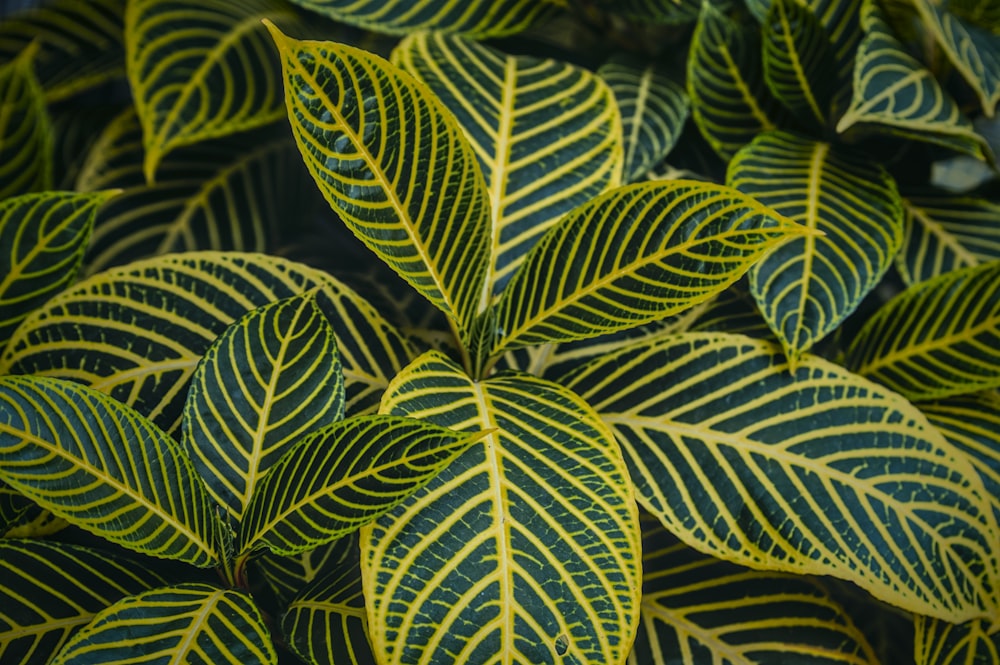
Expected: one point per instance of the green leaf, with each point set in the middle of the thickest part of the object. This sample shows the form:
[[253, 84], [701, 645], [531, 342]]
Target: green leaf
[[185, 623], [44, 237], [14, 508], [945, 232], [395, 165], [482, 18], [810, 471], [327, 624], [892, 88], [634, 255], [547, 136], [201, 71], [653, 107], [733, 311], [698, 609], [937, 338], [25, 135], [138, 332], [102, 466], [80, 43], [341, 477], [807, 287], [50, 590], [290, 576], [526, 545], [75, 131], [942, 643], [665, 12], [270, 379]]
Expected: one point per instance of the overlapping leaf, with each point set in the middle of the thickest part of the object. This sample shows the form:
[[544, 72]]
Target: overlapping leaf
[[811, 470], [942, 643], [43, 237], [343, 476], [184, 623], [524, 549], [25, 136], [75, 130], [138, 332], [547, 136], [80, 43], [667, 12], [394, 164], [14, 507], [634, 255], [52, 589], [200, 72], [653, 107], [103, 467], [807, 287], [270, 379], [937, 338], [290, 576]]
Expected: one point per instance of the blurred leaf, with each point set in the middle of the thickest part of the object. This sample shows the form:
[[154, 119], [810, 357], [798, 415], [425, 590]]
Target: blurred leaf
[[25, 133]]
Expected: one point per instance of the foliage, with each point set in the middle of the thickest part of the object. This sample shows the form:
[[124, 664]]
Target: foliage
[[500, 331]]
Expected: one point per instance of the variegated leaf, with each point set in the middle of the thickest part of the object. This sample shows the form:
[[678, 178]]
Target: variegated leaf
[[942, 643], [25, 135], [289, 576]]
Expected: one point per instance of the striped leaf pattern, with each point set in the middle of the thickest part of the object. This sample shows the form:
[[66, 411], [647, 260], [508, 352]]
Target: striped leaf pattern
[[698, 609], [892, 89], [524, 549], [937, 338], [482, 18], [184, 623], [394, 164], [634, 255], [945, 232], [43, 237], [15, 508], [200, 70], [290, 576], [811, 470], [653, 107], [81, 44], [102, 466], [266, 382], [327, 624], [25, 135], [942, 643], [138, 332], [547, 136], [51, 589], [807, 287], [343, 476]]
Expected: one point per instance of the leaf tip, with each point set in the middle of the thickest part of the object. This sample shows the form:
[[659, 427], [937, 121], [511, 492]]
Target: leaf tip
[[280, 38]]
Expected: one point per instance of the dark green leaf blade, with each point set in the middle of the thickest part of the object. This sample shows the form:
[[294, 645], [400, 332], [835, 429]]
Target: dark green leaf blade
[[665, 12], [25, 135], [942, 643]]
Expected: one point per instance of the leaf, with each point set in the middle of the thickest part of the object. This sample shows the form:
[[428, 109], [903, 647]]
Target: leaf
[[634, 255], [52, 589], [891, 88], [138, 332], [942, 643], [809, 471], [25, 136], [395, 166], [200, 73], [44, 237], [524, 549], [937, 338], [945, 232], [75, 131], [289, 576], [546, 134], [185, 623], [102, 466], [326, 624], [14, 508], [696, 608], [482, 18], [665, 12], [341, 477], [653, 107], [807, 287], [730, 101], [270, 379], [80, 43]]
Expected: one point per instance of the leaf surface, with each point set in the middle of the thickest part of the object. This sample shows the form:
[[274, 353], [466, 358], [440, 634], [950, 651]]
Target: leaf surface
[[290, 576], [942, 643], [25, 134], [666, 12]]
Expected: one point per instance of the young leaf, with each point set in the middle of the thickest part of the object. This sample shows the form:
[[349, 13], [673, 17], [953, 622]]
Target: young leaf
[[526, 545], [634, 255], [937, 338], [942, 643], [51, 589], [807, 287], [266, 382], [185, 623], [102, 466], [394, 164], [25, 136], [343, 476], [810, 471], [547, 136]]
